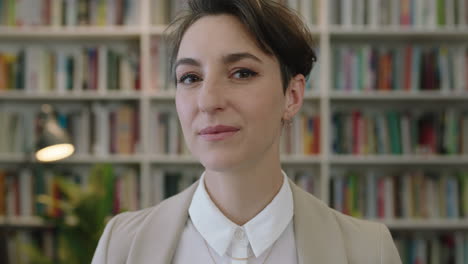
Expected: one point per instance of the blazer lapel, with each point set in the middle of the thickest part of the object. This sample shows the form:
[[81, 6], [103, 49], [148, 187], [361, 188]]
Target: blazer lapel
[[318, 236], [159, 235]]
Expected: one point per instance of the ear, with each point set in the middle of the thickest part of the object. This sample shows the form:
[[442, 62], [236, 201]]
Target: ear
[[294, 96]]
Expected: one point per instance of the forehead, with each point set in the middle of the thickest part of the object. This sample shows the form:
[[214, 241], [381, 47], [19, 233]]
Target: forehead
[[216, 35]]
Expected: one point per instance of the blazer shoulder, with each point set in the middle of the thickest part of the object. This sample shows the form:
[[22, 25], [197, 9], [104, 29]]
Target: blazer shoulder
[[367, 241], [124, 229], [359, 241], [118, 236], [125, 225]]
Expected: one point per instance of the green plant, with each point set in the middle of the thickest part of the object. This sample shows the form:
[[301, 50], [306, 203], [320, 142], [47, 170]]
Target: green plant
[[83, 216]]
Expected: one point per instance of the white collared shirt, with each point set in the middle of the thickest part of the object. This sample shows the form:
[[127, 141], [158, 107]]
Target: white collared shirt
[[208, 232]]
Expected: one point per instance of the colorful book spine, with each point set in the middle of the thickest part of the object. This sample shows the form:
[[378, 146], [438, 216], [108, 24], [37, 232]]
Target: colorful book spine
[[303, 136], [393, 132], [22, 13], [63, 69], [417, 13], [432, 247], [404, 195], [409, 68]]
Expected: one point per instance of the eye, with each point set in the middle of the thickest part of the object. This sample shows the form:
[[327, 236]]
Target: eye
[[189, 78], [244, 74]]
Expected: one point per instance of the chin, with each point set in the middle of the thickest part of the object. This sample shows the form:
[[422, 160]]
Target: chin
[[220, 162]]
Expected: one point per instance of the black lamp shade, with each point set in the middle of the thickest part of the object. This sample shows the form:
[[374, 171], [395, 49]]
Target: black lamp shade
[[53, 143]]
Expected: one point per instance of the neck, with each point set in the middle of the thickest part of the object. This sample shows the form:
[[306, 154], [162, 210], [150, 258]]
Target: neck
[[242, 194]]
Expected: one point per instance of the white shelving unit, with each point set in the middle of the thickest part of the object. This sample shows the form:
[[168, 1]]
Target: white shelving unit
[[19, 222], [324, 99]]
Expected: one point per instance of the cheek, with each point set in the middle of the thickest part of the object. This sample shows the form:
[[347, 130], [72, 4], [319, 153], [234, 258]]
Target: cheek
[[266, 106], [184, 112]]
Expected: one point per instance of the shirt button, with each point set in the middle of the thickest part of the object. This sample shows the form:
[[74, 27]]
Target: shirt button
[[239, 234]]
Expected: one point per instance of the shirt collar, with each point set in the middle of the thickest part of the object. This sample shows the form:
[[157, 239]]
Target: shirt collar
[[262, 230]]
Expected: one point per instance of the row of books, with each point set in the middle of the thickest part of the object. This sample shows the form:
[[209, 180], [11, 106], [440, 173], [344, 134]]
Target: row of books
[[68, 12], [406, 68], [403, 13], [101, 129], [306, 178], [69, 68], [166, 182], [24, 186], [308, 9], [408, 194], [416, 131], [165, 11], [161, 81], [14, 242], [450, 248], [166, 136], [303, 136]]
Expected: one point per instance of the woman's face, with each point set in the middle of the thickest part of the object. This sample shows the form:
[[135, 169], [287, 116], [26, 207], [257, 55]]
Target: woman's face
[[229, 95]]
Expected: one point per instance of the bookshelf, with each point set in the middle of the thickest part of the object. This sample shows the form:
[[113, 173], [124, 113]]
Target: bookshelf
[[142, 34]]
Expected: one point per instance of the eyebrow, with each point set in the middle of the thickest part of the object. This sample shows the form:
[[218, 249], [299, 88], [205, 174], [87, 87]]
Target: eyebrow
[[235, 57], [227, 59]]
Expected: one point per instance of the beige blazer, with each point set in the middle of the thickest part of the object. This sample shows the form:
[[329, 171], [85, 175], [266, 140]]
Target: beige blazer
[[323, 235]]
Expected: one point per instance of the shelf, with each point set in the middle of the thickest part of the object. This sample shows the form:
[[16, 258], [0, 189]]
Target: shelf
[[397, 96], [12, 157], [75, 96], [312, 95], [162, 159], [397, 32], [45, 32], [21, 221], [285, 159], [79, 159], [157, 29], [421, 224], [301, 159], [398, 160], [170, 95], [189, 160], [162, 96], [111, 158]]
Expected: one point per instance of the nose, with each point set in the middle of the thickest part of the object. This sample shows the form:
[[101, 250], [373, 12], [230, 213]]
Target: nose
[[211, 97]]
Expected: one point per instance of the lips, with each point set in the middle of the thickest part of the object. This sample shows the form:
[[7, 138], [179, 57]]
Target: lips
[[218, 133], [218, 129]]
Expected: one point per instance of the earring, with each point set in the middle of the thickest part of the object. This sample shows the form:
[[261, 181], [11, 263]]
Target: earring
[[286, 122]]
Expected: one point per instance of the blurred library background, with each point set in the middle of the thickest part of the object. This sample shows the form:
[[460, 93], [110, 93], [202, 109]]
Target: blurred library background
[[383, 133]]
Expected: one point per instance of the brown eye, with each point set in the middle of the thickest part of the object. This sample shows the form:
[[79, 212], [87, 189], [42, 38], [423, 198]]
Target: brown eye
[[244, 74], [189, 78]]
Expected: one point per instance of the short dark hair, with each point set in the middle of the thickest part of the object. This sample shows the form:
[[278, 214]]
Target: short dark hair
[[277, 30]]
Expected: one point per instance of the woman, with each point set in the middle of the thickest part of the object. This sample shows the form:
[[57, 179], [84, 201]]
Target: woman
[[240, 69]]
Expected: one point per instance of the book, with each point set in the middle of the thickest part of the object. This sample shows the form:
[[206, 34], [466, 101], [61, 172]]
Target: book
[[69, 68], [405, 194], [71, 13], [401, 13], [410, 131], [303, 136]]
